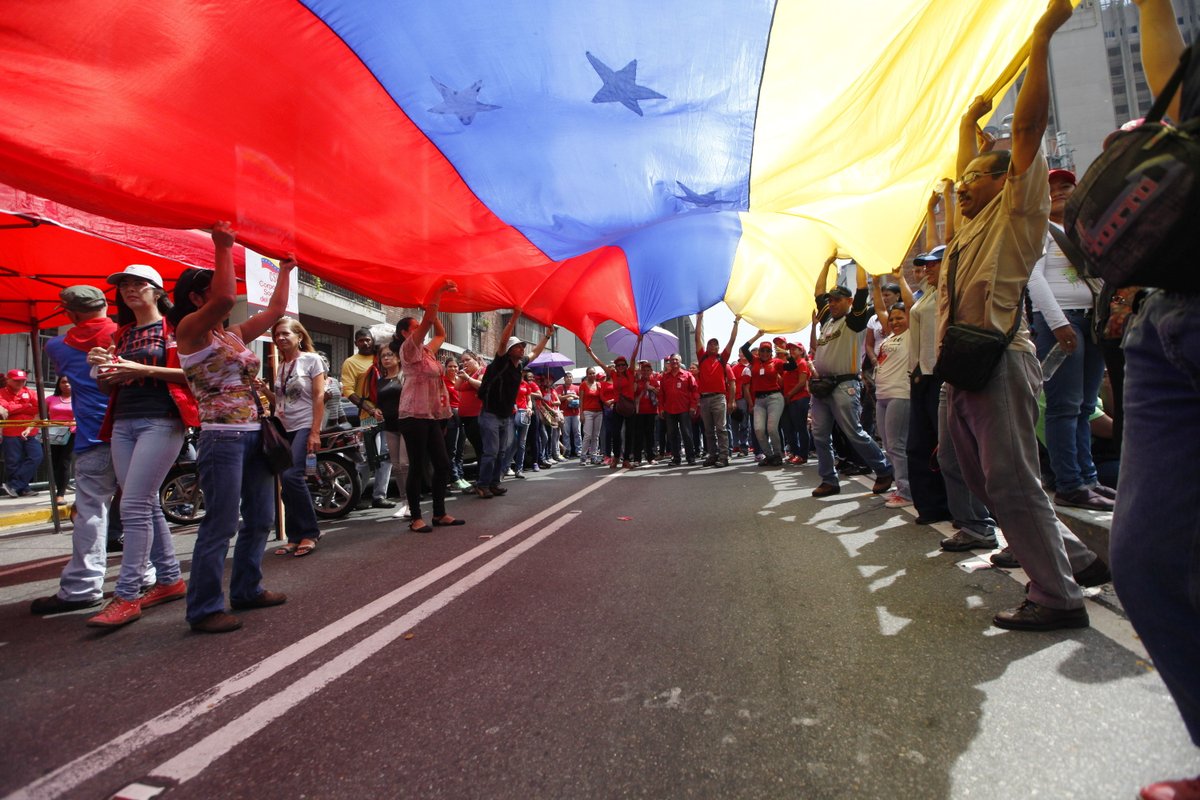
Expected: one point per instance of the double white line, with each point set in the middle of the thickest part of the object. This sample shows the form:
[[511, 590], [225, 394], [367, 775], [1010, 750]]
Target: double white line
[[197, 758]]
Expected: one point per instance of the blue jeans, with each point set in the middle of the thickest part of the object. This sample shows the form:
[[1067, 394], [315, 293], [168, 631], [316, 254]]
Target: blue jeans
[[515, 455], [844, 409], [299, 516], [455, 438], [21, 459], [891, 420], [495, 432], [1070, 401], [795, 426], [571, 435], [1155, 543], [233, 476], [95, 483], [143, 450], [768, 410]]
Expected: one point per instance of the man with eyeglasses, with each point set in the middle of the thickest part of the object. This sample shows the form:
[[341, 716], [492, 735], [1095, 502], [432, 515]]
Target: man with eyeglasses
[[679, 400], [1003, 198]]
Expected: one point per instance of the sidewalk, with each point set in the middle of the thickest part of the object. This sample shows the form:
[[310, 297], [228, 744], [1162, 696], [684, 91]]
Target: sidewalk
[[17, 513]]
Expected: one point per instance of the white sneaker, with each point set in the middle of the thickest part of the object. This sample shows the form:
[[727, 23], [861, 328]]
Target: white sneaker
[[402, 512], [896, 501]]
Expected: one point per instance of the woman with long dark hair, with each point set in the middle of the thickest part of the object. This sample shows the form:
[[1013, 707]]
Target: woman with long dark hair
[[222, 373], [424, 403], [148, 410]]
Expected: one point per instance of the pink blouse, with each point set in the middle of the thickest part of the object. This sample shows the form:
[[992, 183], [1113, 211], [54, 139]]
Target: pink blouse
[[424, 395]]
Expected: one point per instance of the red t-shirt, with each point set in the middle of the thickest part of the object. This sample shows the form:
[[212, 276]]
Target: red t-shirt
[[591, 395], [21, 404], [451, 390], [711, 374], [679, 392], [469, 404], [523, 391], [764, 375], [792, 378], [622, 383], [645, 404], [743, 380], [607, 393], [569, 392]]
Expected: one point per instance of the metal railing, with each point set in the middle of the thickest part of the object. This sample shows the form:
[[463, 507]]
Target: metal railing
[[322, 285]]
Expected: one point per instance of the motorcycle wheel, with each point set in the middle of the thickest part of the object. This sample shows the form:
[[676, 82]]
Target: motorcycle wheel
[[335, 488], [181, 498]]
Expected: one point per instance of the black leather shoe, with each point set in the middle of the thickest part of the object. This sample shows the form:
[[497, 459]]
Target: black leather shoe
[[217, 622], [377, 503], [1005, 559], [962, 541], [56, 605], [265, 599], [883, 483], [1029, 616], [1094, 574], [826, 489]]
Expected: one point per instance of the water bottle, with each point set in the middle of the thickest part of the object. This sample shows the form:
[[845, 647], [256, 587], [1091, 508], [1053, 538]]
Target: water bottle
[[310, 464], [1053, 361]]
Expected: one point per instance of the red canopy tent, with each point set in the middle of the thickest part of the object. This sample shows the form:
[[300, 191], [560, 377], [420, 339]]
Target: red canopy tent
[[45, 246]]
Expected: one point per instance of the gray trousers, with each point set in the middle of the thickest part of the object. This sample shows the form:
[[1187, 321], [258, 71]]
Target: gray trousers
[[712, 414], [966, 509], [994, 438]]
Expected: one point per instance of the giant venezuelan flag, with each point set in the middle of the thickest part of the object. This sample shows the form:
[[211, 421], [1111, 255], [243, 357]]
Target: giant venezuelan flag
[[583, 159]]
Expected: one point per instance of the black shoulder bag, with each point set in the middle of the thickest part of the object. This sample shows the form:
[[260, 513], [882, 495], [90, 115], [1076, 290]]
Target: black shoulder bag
[[276, 449], [1134, 212], [969, 354]]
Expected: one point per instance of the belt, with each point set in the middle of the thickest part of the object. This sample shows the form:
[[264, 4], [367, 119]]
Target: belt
[[767, 391], [841, 378], [712, 394]]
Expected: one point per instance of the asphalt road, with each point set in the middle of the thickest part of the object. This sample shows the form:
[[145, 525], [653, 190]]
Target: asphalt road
[[664, 633]]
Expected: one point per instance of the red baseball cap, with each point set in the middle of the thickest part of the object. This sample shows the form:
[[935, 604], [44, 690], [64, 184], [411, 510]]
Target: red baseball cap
[[1062, 175], [18, 374]]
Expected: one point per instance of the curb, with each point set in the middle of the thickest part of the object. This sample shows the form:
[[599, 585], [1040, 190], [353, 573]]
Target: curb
[[34, 517]]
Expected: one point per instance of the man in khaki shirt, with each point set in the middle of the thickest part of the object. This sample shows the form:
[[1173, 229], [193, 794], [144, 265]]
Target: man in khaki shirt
[[1004, 200]]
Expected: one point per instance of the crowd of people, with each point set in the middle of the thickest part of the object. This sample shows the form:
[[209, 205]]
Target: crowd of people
[[876, 391]]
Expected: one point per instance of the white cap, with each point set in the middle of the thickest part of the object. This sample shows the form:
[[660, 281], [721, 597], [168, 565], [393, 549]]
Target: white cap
[[139, 271], [513, 341]]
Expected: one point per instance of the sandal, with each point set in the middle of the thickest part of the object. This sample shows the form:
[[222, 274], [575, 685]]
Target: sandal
[[423, 529], [304, 549], [287, 549], [442, 523]]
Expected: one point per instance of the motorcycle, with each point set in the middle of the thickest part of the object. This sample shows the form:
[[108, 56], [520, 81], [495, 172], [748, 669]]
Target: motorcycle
[[335, 488]]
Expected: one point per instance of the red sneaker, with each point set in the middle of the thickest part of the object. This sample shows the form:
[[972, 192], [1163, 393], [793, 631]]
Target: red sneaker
[[1172, 790], [164, 593], [118, 612]]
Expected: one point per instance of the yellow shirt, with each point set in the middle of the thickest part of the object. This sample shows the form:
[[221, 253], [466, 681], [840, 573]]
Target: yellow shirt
[[995, 253], [354, 373]]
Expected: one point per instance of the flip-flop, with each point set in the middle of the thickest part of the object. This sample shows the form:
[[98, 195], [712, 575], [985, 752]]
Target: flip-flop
[[304, 550], [287, 550], [423, 529], [440, 524]]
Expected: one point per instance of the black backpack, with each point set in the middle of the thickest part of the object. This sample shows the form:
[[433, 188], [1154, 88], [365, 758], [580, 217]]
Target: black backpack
[[1135, 215]]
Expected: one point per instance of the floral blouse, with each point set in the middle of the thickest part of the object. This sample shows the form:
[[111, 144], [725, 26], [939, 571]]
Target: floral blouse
[[424, 395], [221, 377]]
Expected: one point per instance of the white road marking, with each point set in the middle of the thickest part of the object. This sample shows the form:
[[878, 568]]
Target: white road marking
[[138, 791], [191, 762], [91, 764]]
